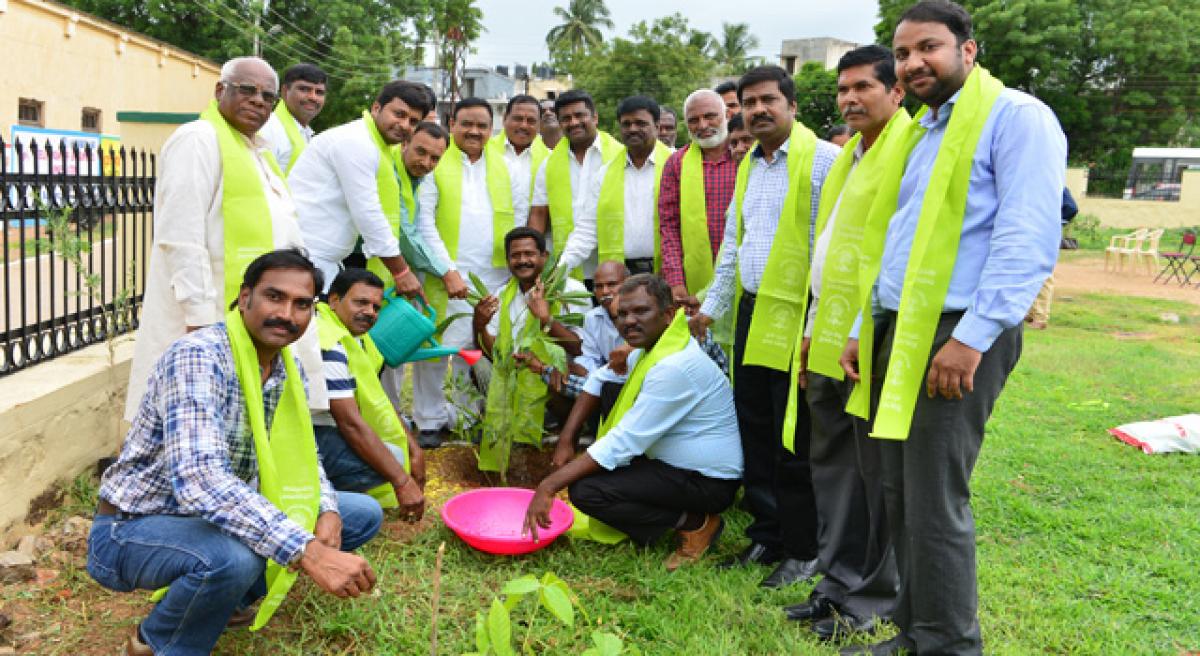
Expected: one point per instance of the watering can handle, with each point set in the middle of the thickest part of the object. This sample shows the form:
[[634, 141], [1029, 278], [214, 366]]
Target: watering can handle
[[389, 294]]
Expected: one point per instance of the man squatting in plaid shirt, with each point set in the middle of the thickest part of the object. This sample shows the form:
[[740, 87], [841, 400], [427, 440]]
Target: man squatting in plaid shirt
[[181, 506]]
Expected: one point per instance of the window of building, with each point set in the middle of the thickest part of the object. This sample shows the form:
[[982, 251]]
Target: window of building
[[91, 119], [29, 112]]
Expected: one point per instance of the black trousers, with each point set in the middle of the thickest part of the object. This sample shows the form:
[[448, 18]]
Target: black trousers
[[778, 483], [927, 490], [857, 560], [647, 497]]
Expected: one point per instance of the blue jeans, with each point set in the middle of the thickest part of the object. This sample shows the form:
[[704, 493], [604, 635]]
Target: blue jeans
[[344, 469], [211, 574]]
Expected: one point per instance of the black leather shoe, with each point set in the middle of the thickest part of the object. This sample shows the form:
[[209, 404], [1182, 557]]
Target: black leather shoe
[[843, 625], [755, 554], [894, 647], [789, 571], [815, 608]]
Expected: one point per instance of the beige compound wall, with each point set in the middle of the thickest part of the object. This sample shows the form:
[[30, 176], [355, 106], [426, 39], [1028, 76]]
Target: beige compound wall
[[1119, 213], [70, 60], [58, 418]]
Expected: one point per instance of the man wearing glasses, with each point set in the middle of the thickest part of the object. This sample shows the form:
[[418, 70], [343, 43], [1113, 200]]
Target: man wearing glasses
[[220, 201]]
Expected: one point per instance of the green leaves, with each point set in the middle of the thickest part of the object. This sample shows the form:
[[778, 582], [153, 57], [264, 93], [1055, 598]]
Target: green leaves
[[499, 629], [606, 644], [555, 596]]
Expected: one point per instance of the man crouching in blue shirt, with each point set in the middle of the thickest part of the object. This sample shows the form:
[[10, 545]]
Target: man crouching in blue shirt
[[187, 503], [669, 455]]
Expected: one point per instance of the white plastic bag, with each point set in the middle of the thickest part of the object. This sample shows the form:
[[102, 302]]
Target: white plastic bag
[[1172, 434]]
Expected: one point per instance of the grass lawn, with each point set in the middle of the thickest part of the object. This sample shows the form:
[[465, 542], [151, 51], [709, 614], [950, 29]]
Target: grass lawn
[[1085, 545]]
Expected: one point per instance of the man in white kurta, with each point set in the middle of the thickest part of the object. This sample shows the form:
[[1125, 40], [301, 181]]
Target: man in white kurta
[[185, 282], [470, 127]]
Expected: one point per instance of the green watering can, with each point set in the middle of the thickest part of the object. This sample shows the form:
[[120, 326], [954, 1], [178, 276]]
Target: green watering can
[[405, 334]]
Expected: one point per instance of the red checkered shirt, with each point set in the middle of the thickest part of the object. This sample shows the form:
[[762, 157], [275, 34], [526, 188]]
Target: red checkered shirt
[[719, 179]]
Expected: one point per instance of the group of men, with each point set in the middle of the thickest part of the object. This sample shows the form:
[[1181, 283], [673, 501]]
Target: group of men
[[826, 329]]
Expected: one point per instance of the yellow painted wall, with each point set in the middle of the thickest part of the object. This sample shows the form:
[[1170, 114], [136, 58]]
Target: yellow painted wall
[[1119, 213], [71, 60]]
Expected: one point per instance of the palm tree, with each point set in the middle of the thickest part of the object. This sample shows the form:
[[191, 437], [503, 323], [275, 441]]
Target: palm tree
[[580, 28], [733, 48]]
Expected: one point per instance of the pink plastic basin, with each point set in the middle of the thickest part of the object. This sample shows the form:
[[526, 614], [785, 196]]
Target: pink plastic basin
[[490, 519]]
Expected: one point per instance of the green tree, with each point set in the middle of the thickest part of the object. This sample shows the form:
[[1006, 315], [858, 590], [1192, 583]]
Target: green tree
[[661, 59], [816, 97], [731, 50], [579, 31], [359, 44], [1118, 74]]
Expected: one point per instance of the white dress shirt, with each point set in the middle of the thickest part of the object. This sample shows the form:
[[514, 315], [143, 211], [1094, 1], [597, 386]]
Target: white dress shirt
[[639, 215], [581, 174], [475, 233], [337, 197], [185, 281], [520, 171], [600, 337], [277, 140]]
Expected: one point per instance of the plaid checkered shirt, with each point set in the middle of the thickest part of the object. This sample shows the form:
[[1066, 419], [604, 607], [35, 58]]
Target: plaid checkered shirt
[[720, 178], [190, 452]]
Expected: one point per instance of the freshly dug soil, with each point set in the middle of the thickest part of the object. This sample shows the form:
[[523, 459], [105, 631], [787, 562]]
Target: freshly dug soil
[[458, 466]]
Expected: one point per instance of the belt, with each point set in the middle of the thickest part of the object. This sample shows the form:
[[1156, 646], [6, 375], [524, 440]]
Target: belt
[[106, 508]]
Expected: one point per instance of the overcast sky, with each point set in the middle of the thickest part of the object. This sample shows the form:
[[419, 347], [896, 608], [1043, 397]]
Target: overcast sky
[[516, 31]]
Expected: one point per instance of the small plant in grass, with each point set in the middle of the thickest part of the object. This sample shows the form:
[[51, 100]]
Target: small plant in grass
[[513, 390], [494, 632]]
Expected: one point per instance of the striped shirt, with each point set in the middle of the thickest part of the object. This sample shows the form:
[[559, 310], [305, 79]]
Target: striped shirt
[[335, 367], [190, 452], [574, 384], [766, 188]]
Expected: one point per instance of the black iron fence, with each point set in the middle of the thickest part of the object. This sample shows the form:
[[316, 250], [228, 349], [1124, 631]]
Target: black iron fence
[[77, 221], [1140, 185]]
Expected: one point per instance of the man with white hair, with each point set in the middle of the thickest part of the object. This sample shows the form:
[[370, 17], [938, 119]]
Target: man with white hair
[[697, 185], [220, 201]]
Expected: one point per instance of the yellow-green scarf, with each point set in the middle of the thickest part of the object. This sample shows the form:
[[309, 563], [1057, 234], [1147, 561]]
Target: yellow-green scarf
[[288, 467], [292, 129], [364, 361], [838, 304], [558, 188], [839, 285], [449, 176], [529, 395], [781, 299], [698, 255], [610, 209], [391, 180], [244, 208], [930, 263]]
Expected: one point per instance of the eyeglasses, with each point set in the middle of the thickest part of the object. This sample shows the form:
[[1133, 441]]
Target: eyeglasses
[[252, 90]]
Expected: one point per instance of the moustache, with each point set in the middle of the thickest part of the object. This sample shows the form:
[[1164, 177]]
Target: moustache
[[762, 118], [363, 318], [851, 111], [521, 267], [605, 299], [923, 72], [282, 323]]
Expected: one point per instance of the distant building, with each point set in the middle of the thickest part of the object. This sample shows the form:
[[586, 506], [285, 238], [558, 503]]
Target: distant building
[[824, 49], [478, 81], [74, 77]]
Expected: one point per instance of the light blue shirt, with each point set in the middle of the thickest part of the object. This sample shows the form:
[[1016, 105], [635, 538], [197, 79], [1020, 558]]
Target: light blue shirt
[[1011, 227], [683, 416], [600, 337]]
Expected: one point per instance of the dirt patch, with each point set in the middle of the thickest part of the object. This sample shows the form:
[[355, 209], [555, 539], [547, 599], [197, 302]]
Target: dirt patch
[[43, 504], [1085, 273], [458, 464]]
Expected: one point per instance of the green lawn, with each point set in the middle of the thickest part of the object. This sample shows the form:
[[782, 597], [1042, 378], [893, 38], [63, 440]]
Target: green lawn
[[1085, 545]]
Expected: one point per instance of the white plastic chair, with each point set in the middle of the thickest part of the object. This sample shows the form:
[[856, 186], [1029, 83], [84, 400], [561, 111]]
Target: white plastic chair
[[1119, 246], [1148, 251]]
